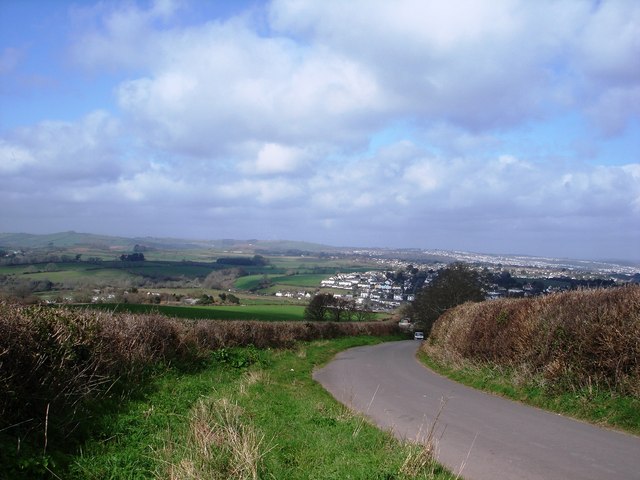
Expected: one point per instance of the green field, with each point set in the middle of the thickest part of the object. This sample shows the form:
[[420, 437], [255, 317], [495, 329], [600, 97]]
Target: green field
[[307, 280], [62, 271], [257, 311], [66, 272], [267, 313]]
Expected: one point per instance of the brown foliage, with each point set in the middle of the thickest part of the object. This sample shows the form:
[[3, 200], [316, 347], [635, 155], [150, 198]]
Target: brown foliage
[[573, 339]]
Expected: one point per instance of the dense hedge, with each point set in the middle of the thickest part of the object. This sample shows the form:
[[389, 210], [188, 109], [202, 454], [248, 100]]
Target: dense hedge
[[570, 340]]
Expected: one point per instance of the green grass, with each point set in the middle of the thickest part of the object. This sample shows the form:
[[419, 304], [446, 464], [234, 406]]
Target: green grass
[[307, 280], [600, 407], [306, 433], [268, 313], [109, 270]]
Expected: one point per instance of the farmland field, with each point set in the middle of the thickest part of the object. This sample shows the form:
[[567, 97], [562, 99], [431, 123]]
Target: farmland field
[[81, 268], [268, 313], [308, 280], [106, 271], [64, 272]]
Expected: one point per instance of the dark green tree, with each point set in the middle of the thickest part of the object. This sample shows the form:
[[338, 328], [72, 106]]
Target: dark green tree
[[259, 260], [318, 309], [231, 298], [454, 285], [341, 310], [132, 257]]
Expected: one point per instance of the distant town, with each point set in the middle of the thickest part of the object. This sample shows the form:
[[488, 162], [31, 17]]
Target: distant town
[[399, 279]]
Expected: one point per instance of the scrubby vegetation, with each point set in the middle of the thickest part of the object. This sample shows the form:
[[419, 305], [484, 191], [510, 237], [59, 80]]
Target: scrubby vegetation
[[58, 367], [582, 345]]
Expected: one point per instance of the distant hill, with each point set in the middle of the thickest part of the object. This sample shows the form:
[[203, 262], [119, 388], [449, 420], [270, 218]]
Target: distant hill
[[61, 240], [74, 239]]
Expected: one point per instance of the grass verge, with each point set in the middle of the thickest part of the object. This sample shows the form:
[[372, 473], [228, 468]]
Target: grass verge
[[250, 414], [592, 404]]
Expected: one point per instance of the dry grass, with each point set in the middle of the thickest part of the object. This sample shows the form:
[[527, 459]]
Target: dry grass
[[421, 461], [252, 377], [221, 444], [573, 340]]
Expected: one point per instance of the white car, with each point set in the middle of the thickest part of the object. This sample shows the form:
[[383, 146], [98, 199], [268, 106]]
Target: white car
[[418, 336]]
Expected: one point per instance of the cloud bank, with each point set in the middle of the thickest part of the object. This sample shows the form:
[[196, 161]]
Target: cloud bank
[[460, 125]]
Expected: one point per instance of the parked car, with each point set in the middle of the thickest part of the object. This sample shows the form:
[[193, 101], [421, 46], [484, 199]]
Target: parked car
[[418, 336]]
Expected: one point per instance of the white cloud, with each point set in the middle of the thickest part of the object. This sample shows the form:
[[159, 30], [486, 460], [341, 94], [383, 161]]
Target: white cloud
[[426, 175], [608, 46], [14, 158], [152, 186], [266, 192], [364, 117], [63, 150], [222, 83], [479, 64], [273, 158], [119, 34], [334, 72], [614, 108]]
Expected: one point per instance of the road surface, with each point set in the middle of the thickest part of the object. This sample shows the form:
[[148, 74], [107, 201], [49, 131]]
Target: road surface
[[480, 436]]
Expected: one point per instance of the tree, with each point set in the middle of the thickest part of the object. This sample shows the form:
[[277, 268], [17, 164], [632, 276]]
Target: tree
[[454, 285], [265, 282], [341, 310], [231, 298], [132, 257], [318, 308], [259, 260], [222, 279]]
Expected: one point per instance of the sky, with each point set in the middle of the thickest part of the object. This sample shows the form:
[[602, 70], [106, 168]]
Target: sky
[[507, 126]]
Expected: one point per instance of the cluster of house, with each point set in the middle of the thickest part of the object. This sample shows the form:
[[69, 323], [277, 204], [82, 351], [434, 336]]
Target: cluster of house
[[301, 295], [100, 297], [375, 289], [527, 290]]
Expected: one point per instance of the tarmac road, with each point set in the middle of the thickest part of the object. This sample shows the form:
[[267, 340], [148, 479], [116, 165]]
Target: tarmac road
[[480, 436]]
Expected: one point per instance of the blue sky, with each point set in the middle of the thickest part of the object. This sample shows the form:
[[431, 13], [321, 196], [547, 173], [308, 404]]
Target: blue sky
[[513, 127]]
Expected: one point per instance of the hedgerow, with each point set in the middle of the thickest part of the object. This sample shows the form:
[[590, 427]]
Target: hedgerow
[[568, 341]]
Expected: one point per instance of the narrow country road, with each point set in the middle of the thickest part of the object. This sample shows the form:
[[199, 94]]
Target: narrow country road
[[480, 436]]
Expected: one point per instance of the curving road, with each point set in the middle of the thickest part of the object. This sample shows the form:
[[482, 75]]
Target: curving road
[[480, 436]]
